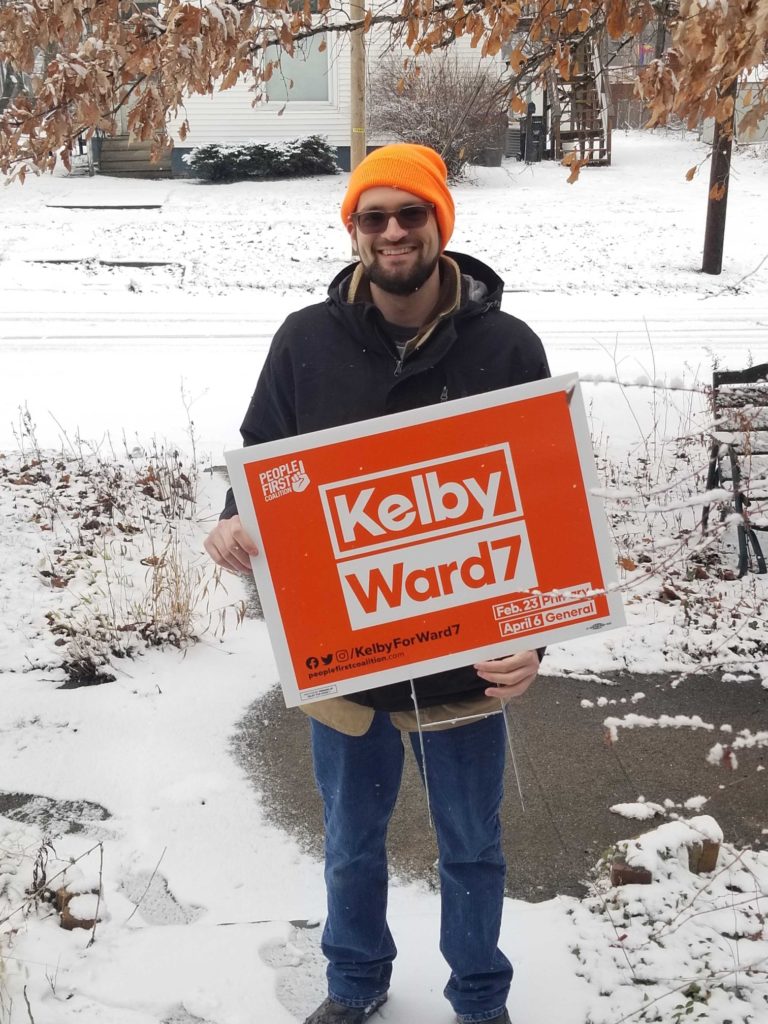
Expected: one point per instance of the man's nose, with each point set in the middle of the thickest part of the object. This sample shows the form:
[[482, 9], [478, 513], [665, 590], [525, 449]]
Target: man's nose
[[393, 230]]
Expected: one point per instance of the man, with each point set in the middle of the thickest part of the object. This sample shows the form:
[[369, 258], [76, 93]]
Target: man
[[406, 326]]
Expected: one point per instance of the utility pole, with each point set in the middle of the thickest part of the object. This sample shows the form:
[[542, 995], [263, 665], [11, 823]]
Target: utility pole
[[661, 30], [357, 147], [719, 176]]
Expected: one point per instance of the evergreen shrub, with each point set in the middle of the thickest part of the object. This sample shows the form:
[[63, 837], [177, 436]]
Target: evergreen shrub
[[257, 160]]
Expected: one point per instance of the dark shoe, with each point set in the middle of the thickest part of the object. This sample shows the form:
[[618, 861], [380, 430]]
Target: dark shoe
[[331, 1012], [502, 1018]]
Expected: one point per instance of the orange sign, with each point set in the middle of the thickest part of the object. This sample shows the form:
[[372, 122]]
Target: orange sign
[[429, 539]]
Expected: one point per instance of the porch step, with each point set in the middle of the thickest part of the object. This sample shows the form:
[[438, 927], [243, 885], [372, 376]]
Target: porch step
[[513, 141], [122, 158]]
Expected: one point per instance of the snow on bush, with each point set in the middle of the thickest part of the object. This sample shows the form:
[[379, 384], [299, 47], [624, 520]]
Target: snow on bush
[[298, 158], [686, 947]]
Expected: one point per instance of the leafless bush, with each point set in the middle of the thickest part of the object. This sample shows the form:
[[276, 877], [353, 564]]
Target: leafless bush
[[460, 111]]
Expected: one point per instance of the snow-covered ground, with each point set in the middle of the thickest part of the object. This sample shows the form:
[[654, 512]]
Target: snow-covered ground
[[606, 272]]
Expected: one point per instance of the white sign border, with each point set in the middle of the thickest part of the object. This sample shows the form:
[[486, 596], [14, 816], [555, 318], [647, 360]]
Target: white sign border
[[237, 460]]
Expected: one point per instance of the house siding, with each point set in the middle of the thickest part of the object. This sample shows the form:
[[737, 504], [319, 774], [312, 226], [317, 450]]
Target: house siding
[[230, 118], [760, 135]]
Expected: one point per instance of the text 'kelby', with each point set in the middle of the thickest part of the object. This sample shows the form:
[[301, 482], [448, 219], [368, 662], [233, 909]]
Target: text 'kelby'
[[421, 500]]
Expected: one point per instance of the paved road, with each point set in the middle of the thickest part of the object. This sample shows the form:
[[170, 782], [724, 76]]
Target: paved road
[[120, 364], [570, 777], [685, 330]]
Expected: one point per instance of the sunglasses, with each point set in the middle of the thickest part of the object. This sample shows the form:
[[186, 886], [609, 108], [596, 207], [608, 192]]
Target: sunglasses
[[371, 222]]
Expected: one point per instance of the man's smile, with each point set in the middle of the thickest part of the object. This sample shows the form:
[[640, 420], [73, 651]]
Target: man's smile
[[396, 250]]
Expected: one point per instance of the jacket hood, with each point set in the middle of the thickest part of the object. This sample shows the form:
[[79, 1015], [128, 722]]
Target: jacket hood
[[483, 286]]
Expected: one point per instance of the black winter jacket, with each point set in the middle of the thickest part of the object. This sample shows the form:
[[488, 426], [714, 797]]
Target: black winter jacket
[[334, 363]]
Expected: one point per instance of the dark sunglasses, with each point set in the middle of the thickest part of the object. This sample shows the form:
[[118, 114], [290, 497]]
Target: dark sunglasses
[[371, 222]]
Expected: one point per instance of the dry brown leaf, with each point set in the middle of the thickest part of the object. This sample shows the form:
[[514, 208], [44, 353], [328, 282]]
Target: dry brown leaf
[[179, 48], [516, 60]]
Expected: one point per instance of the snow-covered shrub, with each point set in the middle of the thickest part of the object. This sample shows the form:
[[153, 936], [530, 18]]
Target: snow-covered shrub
[[295, 159], [460, 111]]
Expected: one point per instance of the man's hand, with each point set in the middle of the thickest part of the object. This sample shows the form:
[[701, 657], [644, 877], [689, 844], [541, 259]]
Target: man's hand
[[229, 545], [510, 676]]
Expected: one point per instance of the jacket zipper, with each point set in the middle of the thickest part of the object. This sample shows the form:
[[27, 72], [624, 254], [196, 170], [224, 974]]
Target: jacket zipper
[[399, 370]]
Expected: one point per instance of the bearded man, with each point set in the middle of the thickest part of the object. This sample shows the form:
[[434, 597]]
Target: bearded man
[[407, 325]]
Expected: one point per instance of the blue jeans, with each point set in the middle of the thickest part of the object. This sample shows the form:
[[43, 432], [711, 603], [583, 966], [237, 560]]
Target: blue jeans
[[359, 779]]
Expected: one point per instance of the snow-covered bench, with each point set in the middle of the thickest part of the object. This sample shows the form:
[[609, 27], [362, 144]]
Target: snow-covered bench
[[738, 460]]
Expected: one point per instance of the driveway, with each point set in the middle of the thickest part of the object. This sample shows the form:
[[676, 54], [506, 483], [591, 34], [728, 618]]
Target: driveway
[[569, 776]]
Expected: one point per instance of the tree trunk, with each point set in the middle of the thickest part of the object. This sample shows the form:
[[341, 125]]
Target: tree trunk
[[719, 177]]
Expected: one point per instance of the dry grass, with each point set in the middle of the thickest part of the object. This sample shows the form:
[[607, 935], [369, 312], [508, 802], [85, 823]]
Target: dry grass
[[120, 549]]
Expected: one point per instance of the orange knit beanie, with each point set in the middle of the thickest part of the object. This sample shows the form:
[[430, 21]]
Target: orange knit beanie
[[415, 169]]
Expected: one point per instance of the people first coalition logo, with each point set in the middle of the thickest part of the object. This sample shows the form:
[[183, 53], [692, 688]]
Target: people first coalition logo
[[428, 536], [280, 481]]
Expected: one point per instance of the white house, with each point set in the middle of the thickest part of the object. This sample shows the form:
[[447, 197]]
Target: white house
[[310, 96]]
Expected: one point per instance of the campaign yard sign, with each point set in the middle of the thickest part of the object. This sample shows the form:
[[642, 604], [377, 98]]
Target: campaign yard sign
[[421, 541]]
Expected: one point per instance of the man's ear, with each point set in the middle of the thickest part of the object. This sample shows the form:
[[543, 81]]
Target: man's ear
[[352, 234]]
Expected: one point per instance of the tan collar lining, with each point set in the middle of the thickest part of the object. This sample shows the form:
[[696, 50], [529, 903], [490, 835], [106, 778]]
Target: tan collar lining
[[448, 300]]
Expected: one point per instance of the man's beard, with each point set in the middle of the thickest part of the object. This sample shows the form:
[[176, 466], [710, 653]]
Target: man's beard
[[396, 284]]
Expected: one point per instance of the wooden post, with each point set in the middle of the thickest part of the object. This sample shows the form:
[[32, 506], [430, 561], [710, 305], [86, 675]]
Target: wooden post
[[528, 131], [357, 146], [719, 176]]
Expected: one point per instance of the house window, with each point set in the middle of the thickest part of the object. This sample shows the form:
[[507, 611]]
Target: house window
[[301, 77]]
